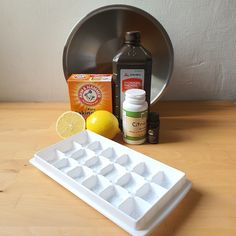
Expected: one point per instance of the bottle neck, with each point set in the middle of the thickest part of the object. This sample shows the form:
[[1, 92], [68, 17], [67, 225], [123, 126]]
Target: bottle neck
[[132, 43]]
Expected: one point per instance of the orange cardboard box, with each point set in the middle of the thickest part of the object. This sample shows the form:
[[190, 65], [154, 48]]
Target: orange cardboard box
[[90, 92]]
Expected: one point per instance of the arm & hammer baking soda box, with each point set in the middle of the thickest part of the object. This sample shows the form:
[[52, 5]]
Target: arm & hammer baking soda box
[[90, 92]]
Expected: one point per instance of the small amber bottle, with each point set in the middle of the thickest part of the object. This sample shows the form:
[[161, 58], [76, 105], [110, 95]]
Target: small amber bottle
[[153, 128]]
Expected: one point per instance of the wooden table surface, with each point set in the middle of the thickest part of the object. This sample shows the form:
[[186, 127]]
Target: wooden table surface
[[198, 138]]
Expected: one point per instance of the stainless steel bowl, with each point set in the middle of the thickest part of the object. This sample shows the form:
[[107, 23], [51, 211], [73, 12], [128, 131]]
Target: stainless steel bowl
[[97, 37]]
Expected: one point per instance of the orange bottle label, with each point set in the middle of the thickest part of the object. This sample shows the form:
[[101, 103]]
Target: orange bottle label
[[131, 83]]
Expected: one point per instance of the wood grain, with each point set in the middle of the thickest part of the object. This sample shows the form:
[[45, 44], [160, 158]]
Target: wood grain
[[199, 138]]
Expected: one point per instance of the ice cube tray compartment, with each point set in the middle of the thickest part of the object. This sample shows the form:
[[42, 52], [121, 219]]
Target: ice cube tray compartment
[[52, 156], [130, 181], [134, 207], [131, 187], [79, 173], [81, 155], [144, 170], [110, 153], [127, 161], [96, 183], [69, 147], [114, 194], [150, 192], [95, 146], [97, 164], [113, 172], [64, 164], [105, 170]]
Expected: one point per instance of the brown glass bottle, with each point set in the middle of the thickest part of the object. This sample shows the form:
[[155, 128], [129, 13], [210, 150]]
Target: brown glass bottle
[[132, 68]]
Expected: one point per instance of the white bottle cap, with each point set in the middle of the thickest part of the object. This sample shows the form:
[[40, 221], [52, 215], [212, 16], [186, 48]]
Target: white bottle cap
[[135, 95]]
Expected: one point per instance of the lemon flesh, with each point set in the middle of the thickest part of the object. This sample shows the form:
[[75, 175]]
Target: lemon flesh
[[104, 123], [69, 123]]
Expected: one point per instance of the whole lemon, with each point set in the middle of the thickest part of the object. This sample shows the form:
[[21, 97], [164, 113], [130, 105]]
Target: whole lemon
[[103, 123]]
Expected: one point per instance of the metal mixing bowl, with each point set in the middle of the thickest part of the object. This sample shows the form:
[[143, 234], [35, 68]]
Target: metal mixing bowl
[[95, 40]]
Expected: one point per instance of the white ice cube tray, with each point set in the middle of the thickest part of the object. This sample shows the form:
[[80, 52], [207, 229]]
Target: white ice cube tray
[[134, 191]]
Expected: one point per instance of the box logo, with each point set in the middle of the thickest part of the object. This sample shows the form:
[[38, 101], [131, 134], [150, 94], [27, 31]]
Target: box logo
[[90, 95]]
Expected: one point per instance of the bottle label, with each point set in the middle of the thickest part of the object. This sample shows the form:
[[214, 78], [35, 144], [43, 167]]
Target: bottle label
[[134, 124], [130, 79]]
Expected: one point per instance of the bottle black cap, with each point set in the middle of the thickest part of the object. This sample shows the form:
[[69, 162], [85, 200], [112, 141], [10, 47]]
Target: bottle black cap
[[132, 37]]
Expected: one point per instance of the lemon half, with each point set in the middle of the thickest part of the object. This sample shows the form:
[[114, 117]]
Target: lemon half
[[69, 123]]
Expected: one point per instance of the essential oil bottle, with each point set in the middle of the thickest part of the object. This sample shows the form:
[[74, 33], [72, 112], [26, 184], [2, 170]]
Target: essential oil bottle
[[153, 127]]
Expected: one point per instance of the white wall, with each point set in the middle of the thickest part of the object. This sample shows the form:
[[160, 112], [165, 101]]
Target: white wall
[[33, 33]]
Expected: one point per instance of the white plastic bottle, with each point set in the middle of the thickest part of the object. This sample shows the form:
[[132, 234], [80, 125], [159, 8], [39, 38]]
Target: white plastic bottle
[[135, 111]]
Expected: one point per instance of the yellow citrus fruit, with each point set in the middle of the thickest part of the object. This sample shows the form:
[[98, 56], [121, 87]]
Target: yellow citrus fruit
[[103, 123], [69, 123]]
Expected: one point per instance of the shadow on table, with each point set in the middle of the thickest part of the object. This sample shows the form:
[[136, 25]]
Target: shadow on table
[[174, 129], [190, 108], [170, 225]]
